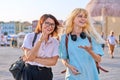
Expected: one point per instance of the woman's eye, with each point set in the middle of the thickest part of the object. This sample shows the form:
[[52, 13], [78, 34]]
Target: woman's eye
[[81, 16]]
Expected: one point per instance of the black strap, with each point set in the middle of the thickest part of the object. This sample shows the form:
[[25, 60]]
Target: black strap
[[66, 44], [89, 38], [34, 39]]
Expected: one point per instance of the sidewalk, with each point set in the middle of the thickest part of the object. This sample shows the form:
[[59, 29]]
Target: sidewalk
[[8, 55]]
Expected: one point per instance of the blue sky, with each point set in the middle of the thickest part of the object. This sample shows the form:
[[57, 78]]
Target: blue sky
[[28, 10]]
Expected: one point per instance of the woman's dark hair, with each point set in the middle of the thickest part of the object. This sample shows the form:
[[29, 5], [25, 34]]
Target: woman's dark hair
[[41, 21]]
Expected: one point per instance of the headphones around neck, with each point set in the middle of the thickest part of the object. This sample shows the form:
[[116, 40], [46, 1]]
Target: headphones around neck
[[74, 37]]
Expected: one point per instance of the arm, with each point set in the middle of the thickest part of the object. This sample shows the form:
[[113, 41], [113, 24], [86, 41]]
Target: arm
[[72, 68], [30, 55], [108, 41], [116, 41], [96, 57], [64, 56], [47, 61]]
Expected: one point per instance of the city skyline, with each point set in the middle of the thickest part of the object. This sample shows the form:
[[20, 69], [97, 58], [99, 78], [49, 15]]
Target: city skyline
[[29, 10]]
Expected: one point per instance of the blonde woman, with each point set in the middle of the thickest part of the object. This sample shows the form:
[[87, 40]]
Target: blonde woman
[[81, 53]]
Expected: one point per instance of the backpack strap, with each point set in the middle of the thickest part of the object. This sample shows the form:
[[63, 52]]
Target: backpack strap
[[34, 39], [66, 44]]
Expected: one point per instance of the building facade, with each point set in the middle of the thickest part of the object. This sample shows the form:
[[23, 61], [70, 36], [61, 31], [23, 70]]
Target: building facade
[[8, 28]]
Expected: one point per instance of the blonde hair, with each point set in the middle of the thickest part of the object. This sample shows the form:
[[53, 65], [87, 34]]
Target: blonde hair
[[88, 28]]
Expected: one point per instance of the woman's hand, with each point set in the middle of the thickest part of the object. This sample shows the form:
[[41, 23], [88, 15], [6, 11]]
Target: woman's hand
[[74, 70], [96, 57], [43, 37], [24, 58], [87, 48]]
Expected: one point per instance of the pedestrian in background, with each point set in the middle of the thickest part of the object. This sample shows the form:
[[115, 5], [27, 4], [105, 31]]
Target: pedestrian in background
[[13, 42], [81, 54], [112, 41], [40, 58], [103, 36]]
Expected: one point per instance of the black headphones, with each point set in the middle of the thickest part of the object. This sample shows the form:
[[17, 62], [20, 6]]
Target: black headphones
[[74, 37]]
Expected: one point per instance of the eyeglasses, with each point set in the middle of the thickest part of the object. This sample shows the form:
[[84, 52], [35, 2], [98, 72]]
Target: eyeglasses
[[49, 24]]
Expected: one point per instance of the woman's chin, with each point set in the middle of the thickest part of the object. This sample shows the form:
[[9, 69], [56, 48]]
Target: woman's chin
[[48, 32]]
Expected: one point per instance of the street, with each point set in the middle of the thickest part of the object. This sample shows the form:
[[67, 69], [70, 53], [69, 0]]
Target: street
[[9, 55]]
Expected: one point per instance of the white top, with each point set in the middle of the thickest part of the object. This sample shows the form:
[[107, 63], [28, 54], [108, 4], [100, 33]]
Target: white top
[[111, 40], [49, 49]]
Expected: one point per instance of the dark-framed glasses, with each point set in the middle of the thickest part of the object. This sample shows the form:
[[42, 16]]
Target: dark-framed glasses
[[49, 24]]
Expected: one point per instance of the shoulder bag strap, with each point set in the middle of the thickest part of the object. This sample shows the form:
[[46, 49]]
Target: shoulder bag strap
[[34, 39]]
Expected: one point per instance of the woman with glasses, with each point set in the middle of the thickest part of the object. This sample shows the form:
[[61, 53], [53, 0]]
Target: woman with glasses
[[80, 47], [41, 50]]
